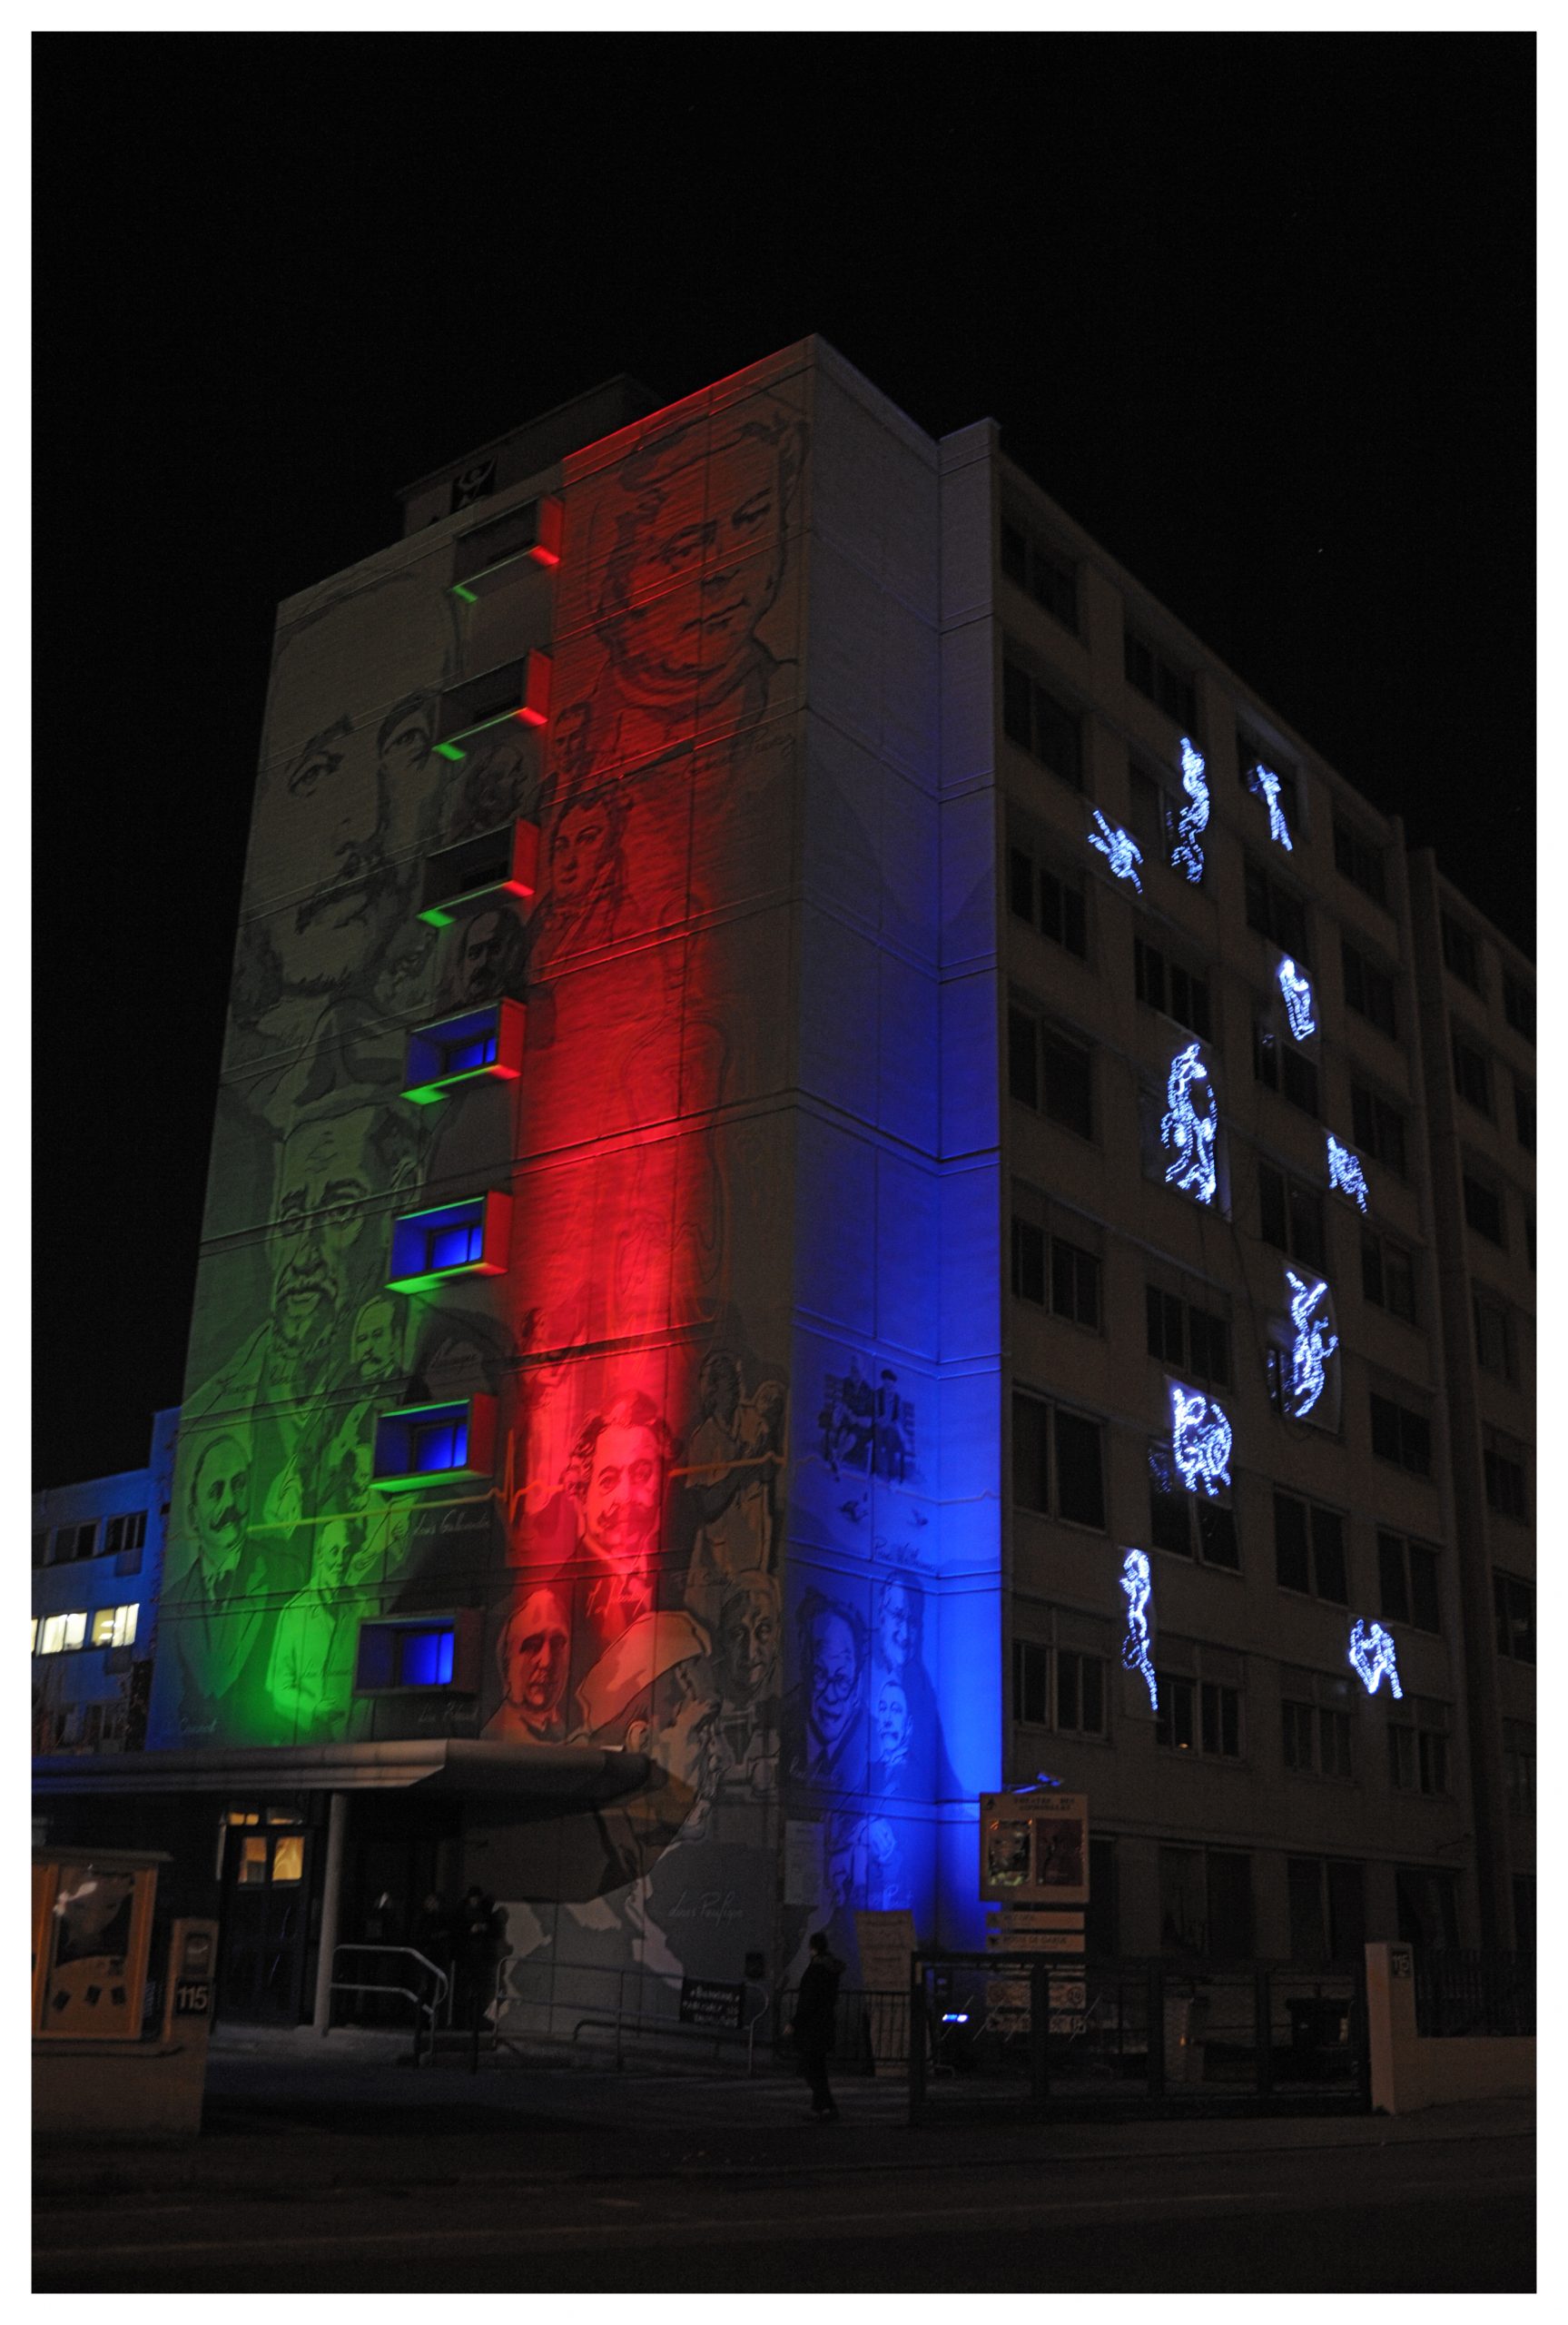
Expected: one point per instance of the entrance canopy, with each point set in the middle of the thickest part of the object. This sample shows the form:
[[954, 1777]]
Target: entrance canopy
[[570, 1774]]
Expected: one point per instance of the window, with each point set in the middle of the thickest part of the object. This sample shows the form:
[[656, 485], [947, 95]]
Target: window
[[1309, 1549], [1190, 1338], [62, 1633], [517, 689], [1388, 1276], [1251, 754], [424, 1444], [1514, 1605], [1519, 1765], [1052, 1271], [1400, 1435], [1460, 952], [1049, 578], [1519, 1006], [1042, 1432], [1033, 717], [1050, 901], [1159, 681], [1328, 1913], [1494, 1338], [1277, 912], [1368, 990], [1031, 1683], [1049, 1072], [424, 1653], [488, 1041], [1483, 1209], [1360, 860], [1206, 1903], [1189, 1525], [1200, 1715], [123, 1539], [1418, 1744], [41, 1548], [467, 1238], [1081, 1693], [1290, 1216], [114, 1626], [1280, 1066], [1502, 1462], [1472, 1077], [1150, 815], [504, 862], [1524, 1116], [1315, 1739], [1166, 985], [1378, 1127], [1407, 1581], [72, 1542]]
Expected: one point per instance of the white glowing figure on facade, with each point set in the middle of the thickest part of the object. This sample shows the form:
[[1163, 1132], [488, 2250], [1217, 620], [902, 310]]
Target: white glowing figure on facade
[[1297, 992], [1120, 848], [1372, 1657], [1139, 1588], [1346, 1173], [1313, 1346], [1187, 855], [1186, 1133], [1200, 1441], [1267, 784]]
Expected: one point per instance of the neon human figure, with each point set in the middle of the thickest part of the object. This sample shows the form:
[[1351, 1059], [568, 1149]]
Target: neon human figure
[[1186, 1133], [1296, 991], [1266, 782], [1344, 1172], [1200, 1440], [1371, 1656], [1187, 855], [1313, 1346], [1136, 1586], [1120, 848]]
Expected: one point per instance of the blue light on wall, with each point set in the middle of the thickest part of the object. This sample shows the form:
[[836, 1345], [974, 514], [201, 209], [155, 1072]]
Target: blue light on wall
[[1200, 1441], [1187, 855], [1186, 1133], [1372, 1657], [1296, 993], [1119, 849], [1346, 1173], [1139, 1588], [1313, 1346], [1266, 783]]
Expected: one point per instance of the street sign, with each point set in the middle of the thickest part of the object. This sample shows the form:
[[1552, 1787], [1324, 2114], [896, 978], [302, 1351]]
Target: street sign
[[1035, 1848]]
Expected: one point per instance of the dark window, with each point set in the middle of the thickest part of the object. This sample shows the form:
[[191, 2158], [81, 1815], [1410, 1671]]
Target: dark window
[[1296, 1727], [1167, 1320], [1219, 1720], [1191, 1339], [1021, 883], [1176, 1719], [1198, 1716], [1315, 1740], [1281, 1066], [1401, 1435], [1031, 1682], [1216, 1541], [1048, 900], [1290, 1215], [1519, 1765], [1228, 1883], [1030, 1459], [1068, 1083], [1524, 1116], [1388, 1276], [1460, 952], [1049, 578], [1407, 1581], [1418, 1747], [1028, 1261], [1166, 985], [1519, 1006], [1359, 860], [1483, 1209], [1079, 1693], [1513, 1603], [73, 1542], [1074, 1282], [1276, 911], [1494, 1337], [1148, 816], [1032, 717], [1173, 1514], [1079, 1470], [1503, 1463], [1163, 684], [1368, 990], [1378, 1127], [1470, 1077], [1309, 1549], [1023, 1058]]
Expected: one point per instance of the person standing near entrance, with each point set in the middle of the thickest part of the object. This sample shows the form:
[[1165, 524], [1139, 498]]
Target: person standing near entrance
[[815, 2005], [477, 1951]]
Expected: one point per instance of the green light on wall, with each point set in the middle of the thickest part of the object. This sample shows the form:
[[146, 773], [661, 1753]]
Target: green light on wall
[[449, 751], [467, 596]]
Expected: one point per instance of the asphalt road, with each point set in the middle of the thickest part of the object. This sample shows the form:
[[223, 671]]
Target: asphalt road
[[1445, 2217]]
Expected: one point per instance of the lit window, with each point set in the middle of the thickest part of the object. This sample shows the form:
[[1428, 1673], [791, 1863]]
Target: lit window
[[252, 1860], [481, 1042], [456, 1239], [289, 1857], [114, 1626], [416, 1654], [431, 1444]]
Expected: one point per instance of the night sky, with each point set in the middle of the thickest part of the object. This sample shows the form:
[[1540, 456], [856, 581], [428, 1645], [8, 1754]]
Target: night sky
[[1257, 311]]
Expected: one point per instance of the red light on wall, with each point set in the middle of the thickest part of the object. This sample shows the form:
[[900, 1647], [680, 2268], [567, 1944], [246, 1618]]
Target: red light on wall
[[535, 707], [547, 549]]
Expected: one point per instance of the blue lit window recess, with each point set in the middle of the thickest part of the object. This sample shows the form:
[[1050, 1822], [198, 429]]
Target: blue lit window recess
[[1138, 1589], [454, 1240], [1314, 1343], [1296, 991], [435, 1445], [1345, 1175], [1266, 784], [1200, 1440], [1187, 855], [1372, 1657], [1119, 849], [481, 1044], [417, 1652], [1188, 1128]]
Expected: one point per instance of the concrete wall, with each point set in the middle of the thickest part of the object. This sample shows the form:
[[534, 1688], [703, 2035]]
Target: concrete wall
[[1411, 2070]]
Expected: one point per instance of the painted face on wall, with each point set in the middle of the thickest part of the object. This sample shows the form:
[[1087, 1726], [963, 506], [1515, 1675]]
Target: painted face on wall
[[484, 951], [220, 1495], [834, 1677], [891, 1720], [332, 1556], [375, 1349], [621, 1505], [582, 853], [895, 1626], [534, 1667], [684, 1739], [748, 1639], [324, 1181], [719, 1387]]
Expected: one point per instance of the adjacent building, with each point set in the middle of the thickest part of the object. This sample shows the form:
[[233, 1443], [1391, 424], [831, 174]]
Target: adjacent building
[[835, 1182]]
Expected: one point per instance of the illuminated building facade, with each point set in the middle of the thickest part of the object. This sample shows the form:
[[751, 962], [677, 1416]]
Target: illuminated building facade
[[723, 1171]]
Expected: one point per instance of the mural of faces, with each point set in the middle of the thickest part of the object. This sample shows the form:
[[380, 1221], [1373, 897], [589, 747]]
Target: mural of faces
[[532, 1654], [376, 1353], [748, 1638], [219, 1499], [325, 1177], [618, 1478]]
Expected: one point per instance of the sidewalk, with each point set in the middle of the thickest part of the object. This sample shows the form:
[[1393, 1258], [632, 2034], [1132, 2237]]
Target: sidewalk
[[289, 2110]]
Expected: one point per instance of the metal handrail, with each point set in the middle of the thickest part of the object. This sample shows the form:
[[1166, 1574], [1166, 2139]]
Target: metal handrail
[[424, 2009], [648, 2021]]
